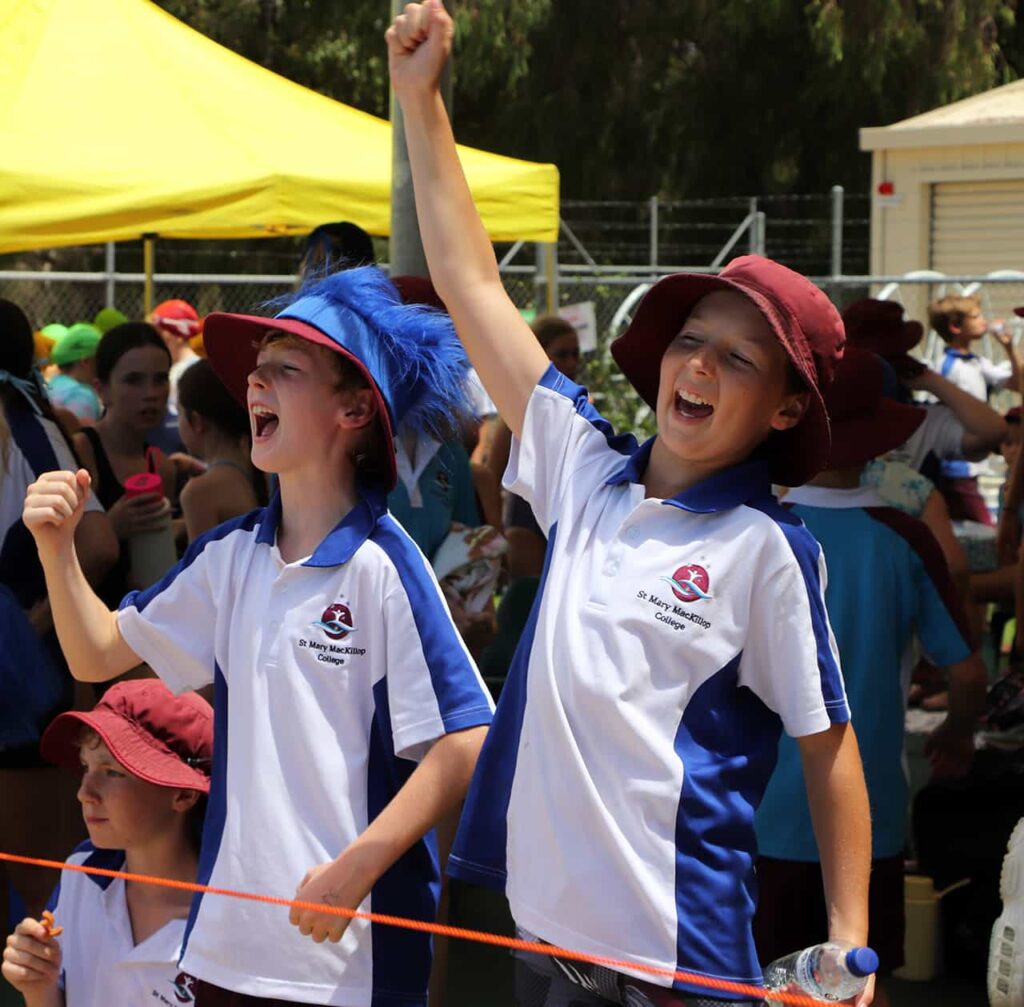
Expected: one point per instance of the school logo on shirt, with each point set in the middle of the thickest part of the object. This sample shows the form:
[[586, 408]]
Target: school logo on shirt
[[184, 988], [336, 622], [690, 583]]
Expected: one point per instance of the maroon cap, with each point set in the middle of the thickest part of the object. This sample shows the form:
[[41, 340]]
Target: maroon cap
[[879, 326], [1019, 311], [418, 290], [802, 318], [865, 424], [159, 737]]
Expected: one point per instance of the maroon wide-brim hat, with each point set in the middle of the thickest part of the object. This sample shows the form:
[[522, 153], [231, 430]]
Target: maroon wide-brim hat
[[157, 736], [865, 424], [879, 326], [803, 320]]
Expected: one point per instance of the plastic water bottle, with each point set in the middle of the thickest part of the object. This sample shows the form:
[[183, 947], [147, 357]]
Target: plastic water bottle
[[831, 971], [152, 553]]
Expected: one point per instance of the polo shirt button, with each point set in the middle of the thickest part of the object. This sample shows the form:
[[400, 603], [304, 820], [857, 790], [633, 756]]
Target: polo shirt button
[[611, 569]]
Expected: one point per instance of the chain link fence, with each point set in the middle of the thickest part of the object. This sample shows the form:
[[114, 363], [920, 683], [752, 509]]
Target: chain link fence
[[608, 254]]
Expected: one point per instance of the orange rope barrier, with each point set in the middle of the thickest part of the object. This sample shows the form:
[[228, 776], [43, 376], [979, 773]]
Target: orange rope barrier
[[439, 929]]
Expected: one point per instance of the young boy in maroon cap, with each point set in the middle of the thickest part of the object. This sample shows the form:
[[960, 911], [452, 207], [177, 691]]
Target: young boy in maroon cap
[[349, 713], [680, 623], [873, 552], [144, 756]]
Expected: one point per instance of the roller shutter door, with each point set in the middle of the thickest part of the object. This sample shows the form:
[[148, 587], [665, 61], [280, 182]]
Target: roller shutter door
[[978, 227]]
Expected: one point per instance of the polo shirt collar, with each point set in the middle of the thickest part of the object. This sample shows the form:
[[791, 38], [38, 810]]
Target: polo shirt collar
[[736, 485], [343, 539], [961, 354]]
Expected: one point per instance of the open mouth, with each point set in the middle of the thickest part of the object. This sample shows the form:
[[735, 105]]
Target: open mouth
[[264, 421], [692, 406]]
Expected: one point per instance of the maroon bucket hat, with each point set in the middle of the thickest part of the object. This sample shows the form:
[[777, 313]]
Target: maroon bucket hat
[[879, 326], [802, 318], [865, 424], [157, 736]]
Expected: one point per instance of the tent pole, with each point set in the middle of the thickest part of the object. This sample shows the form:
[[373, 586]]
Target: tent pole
[[405, 246], [148, 258]]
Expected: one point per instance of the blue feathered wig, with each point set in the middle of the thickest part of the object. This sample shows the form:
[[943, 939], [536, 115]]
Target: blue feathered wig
[[408, 353]]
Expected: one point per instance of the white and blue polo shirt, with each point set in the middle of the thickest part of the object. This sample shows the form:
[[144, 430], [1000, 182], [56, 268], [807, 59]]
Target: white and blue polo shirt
[[100, 960], [333, 677], [889, 585], [671, 643], [977, 376]]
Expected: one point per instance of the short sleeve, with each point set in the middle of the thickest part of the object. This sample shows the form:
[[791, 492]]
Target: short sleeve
[[791, 660], [564, 441], [941, 434], [172, 625], [433, 686], [67, 462]]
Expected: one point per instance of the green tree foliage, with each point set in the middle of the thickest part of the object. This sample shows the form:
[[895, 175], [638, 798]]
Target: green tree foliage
[[635, 97]]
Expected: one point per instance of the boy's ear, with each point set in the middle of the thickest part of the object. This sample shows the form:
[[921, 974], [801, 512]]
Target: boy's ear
[[184, 800], [791, 411], [358, 410]]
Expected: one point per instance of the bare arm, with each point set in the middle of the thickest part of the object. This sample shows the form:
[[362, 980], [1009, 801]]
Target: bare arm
[[950, 747], [462, 265], [984, 427], [838, 802], [87, 629], [1005, 340], [936, 516], [434, 791]]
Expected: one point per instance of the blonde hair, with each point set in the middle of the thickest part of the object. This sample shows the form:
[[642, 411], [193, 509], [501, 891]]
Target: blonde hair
[[951, 311]]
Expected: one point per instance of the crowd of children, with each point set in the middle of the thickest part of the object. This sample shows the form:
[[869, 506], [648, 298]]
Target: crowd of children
[[695, 765]]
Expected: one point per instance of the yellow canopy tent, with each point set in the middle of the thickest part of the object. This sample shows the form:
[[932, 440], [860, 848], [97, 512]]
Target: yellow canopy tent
[[117, 121]]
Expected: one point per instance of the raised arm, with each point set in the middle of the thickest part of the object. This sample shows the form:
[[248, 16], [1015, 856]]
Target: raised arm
[[87, 629], [984, 428], [463, 268]]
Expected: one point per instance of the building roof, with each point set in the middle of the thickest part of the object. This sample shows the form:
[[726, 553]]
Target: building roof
[[994, 116]]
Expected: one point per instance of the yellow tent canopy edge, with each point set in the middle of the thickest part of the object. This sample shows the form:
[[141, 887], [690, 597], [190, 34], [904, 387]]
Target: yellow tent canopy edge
[[121, 121]]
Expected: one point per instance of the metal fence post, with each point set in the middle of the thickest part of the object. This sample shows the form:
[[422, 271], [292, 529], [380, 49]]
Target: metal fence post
[[752, 243], [837, 230], [552, 277], [110, 269], [540, 274], [762, 232], [654, 230]]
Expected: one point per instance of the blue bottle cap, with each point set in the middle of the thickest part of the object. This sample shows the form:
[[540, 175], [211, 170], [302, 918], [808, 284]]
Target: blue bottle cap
[[861, 961]]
